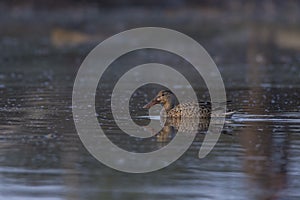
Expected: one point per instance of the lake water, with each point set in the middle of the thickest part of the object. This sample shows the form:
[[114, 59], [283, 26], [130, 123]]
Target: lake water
[[256, 157]]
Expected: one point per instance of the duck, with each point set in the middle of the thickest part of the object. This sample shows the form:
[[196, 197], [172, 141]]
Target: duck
[[172, 108]]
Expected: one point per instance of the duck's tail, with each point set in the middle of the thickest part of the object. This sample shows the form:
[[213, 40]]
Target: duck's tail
[[229, 113]]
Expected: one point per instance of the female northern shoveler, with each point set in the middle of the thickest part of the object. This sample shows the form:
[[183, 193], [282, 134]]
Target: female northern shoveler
[[174, 110]]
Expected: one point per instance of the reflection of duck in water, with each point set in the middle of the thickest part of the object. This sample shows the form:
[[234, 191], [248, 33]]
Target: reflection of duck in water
[[175, 110], [172, 125], [188, 126]]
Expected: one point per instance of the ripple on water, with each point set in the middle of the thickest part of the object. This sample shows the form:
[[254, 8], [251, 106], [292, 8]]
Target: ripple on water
[[282, 117]]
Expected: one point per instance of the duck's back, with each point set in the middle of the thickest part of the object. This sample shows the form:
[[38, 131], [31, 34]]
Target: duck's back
[[191, 109]]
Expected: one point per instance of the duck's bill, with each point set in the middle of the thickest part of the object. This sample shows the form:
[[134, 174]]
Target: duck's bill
[[150, 104]]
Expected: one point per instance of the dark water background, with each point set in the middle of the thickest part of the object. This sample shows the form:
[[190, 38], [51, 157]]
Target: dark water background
[[256, 51]]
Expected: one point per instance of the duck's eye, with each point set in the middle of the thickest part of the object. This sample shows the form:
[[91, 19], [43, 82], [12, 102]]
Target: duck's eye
[[163, 95]]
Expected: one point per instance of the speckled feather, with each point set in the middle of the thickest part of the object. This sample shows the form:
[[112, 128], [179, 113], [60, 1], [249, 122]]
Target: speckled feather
[[189, 110]]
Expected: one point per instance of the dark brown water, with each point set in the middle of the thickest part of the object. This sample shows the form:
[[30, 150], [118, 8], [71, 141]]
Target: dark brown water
[[42, 157]]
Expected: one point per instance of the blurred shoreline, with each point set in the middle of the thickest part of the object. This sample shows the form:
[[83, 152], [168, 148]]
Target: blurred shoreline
[[229, 31]]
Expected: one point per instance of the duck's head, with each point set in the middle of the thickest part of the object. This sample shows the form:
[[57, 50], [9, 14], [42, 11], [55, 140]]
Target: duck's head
[[166, 98]]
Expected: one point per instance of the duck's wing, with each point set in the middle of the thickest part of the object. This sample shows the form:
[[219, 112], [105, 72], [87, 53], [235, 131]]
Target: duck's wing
[[191, 109], [218, 103]]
